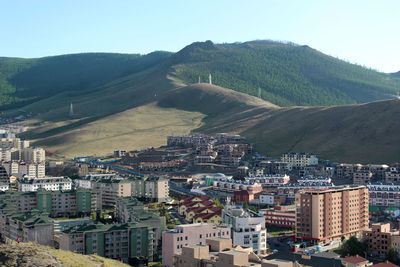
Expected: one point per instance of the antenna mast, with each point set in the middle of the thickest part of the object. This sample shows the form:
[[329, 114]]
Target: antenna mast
[[71, 110]]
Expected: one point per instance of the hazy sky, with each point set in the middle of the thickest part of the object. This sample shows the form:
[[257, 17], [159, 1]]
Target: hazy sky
[[366, 32]]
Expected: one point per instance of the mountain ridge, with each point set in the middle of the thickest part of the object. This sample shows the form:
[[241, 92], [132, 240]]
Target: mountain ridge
[[158, 100]]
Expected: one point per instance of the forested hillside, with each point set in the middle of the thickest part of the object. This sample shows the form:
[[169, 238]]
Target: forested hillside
[[24, 81], [287, 74]]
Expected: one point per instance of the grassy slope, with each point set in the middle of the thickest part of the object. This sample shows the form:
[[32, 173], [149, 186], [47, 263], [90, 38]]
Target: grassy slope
[[30, 254], [365, 133], [135, 128]]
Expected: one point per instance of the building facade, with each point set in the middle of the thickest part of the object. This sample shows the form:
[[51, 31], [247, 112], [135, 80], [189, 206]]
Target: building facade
[[269, 180], [384, 194], [326, 215], [189, 234], [27, 227], [248, 228], [379, 239], [48, 183], [299, 159]]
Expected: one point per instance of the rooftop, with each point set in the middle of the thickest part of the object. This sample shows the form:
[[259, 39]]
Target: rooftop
[[355, 259]]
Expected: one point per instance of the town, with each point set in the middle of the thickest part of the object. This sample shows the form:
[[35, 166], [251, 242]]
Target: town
[[201, 200]]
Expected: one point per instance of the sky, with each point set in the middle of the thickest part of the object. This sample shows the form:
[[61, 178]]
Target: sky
[[363, 32]]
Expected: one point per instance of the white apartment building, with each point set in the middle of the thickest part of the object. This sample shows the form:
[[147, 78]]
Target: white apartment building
[[269, 180], [31, 170], [48, 183], [314, 180], [5, 155], [155, 188], [384, 194], [8, 143], [230, 185], [299, 159], [248, 228]]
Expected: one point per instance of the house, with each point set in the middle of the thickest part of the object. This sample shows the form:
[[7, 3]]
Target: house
[[355, 261]]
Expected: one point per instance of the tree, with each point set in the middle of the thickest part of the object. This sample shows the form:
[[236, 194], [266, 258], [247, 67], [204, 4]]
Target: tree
[[343, 239], [245, 205], [218, 203], [393, 255], [353, 247]]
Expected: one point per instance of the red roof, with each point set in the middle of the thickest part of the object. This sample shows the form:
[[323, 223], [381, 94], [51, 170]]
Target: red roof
[[355, 259], [189, 198], [384, 264], [205, 216]]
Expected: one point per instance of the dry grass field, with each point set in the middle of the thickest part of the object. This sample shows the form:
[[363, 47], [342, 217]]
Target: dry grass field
[[137, 128]]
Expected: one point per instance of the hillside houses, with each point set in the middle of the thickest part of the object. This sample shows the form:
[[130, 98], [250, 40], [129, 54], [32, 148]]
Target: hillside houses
[[199, 209]]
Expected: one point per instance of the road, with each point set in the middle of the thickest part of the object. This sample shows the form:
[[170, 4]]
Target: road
[[275, 243], [175, 215]]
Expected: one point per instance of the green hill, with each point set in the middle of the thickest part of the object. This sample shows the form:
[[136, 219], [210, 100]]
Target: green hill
[[137, 104], [24, 81], [287, 74]]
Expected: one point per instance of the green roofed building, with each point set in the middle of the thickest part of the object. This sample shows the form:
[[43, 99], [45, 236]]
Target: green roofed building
[[34, 226], [55, 203], [130, 242]]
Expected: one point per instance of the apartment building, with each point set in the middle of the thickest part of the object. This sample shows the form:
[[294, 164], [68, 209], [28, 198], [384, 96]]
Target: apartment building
[[384, 194], [17, 143], [345, 170], [48, 183], [314, 180], [6, 155], [27, 227], [248, 228], [290, 190], [110, 189], [378, 171], [219, 252], [152, 188], [30, 170], [380, 238], [268, 180], [189, 234], [225, 138], [192, 140], [326, 215], [299, 159], [33, 155], [131, 243], [281, 216], [4, 177], [54, 203], [125, 207], [362, 177], [393, 175], [230, 186]]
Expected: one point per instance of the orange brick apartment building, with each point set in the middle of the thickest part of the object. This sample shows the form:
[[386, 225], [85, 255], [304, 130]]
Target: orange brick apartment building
[[328, 214]]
